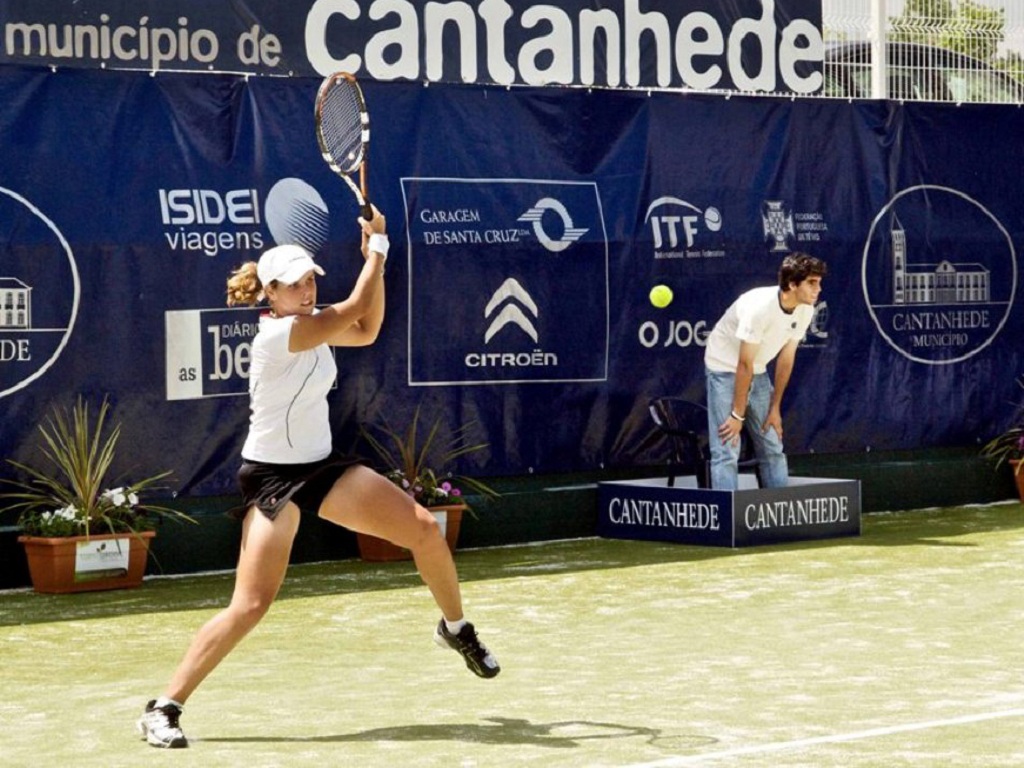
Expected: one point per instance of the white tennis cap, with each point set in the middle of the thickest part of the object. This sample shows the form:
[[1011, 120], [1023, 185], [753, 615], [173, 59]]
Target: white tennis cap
[[286, 263]]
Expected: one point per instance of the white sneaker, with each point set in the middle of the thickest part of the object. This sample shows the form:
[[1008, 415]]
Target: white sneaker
[[159, 726]]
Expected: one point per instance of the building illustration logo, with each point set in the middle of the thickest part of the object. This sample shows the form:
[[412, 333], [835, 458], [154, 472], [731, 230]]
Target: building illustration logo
[[39, 292], [513, 299], [939, 275], [928, 283], [15, 304]]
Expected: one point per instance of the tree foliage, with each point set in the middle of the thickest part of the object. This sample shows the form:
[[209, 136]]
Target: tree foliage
[[967, 27]]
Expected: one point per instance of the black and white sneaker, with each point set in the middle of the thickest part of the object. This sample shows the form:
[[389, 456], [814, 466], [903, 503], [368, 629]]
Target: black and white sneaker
[[480, 661], [159, 726]]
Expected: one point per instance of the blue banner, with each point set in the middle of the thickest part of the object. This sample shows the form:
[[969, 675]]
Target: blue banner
[[509, 249], [750, 45], [528, 226]]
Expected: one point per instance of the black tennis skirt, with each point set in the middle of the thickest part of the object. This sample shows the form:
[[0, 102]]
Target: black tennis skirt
[[270, 486]]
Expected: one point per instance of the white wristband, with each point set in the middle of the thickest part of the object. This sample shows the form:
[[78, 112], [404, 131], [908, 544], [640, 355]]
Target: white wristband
[[379, 244]]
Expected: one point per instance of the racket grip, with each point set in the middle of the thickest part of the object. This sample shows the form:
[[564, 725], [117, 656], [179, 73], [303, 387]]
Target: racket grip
[[366, 211]]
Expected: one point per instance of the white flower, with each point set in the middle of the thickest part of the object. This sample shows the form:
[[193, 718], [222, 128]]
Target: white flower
[[116, 496]]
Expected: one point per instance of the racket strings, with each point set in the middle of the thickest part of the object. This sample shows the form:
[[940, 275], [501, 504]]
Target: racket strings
[[342, 127]]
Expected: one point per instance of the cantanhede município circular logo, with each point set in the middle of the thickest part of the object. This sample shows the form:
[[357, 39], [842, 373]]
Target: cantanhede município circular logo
[[39, 292], [939, 274]]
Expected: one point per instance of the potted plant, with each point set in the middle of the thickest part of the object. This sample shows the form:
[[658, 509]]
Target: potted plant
[[420, 469], [1008, 448], [78, 534]]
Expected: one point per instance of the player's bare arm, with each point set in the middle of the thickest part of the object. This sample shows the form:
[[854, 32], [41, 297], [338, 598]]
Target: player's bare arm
[[783, 370]]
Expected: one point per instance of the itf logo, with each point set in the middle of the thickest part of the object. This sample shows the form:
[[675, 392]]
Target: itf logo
[[939, 274], [675, 226], [487, 297], [39, 292]]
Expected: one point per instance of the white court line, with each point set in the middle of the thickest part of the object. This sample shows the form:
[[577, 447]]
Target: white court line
[[779, 746]]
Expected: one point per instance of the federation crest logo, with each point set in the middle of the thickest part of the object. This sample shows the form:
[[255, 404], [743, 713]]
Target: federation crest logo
[[778, 225], [939, 274]]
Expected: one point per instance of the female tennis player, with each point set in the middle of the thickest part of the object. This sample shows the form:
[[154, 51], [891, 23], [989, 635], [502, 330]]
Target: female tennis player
[[288, 463]]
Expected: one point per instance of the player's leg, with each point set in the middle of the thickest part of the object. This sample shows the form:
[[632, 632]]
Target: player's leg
[[364, 501], [771, 456], [724, 456], [262, 563]]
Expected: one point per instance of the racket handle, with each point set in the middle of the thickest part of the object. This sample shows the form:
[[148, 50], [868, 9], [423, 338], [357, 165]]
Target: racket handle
[[366, 211]]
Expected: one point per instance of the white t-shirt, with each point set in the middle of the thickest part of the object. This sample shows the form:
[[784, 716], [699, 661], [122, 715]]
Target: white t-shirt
[[288, 419], [756, 317]]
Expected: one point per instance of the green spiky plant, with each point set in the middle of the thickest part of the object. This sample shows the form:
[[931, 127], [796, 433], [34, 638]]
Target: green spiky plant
[[1008, 446], [419, 467], [68, 496]]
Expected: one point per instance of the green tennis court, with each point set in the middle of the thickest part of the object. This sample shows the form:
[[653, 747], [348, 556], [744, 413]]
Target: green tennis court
[[898, 648]]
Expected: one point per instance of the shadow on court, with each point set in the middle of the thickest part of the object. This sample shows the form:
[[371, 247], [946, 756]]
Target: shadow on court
[[566, 734]]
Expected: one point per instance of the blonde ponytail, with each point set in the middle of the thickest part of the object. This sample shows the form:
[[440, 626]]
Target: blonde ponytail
[[244, 287]]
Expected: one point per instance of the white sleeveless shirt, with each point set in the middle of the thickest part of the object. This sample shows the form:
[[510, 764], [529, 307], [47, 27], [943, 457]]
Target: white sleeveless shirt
[[288, 419]]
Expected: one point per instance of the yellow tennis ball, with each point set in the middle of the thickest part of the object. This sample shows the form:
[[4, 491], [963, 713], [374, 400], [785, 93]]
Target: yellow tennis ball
[[661, 296]]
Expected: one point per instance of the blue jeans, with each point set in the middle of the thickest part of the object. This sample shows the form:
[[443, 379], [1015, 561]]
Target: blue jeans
[[768, 448]]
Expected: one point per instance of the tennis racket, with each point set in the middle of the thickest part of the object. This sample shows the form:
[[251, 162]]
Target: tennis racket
[[343, 132]]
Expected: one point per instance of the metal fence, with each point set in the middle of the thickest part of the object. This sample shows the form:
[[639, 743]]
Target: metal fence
[[956, 51]]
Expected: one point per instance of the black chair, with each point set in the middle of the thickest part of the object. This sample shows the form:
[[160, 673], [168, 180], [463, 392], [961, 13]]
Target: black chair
[[685, 423]]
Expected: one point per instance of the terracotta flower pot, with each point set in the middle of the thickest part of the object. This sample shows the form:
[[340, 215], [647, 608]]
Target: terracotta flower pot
[[378, 550], [86, 563], [1018, 476]]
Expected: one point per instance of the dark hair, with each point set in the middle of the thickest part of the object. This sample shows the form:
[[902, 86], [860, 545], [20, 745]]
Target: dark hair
[[797, 267]]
